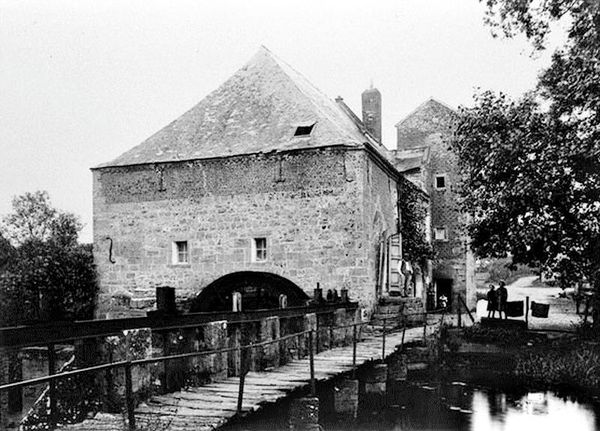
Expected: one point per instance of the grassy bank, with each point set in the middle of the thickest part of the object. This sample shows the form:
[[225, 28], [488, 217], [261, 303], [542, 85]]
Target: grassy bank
[[569, 361], [566, 363]]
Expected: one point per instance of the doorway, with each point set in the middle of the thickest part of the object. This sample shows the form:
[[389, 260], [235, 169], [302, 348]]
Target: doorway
[[444, 287]]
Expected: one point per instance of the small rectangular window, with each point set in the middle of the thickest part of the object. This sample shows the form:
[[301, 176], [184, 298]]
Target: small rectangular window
[[180, 252], [260, 249], [440, 182], [441, 234]]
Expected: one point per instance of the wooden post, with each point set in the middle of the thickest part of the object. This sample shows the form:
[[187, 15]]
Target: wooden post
[[403, 334], [424, 327], [317, 335], [52, 385], [166, 384], [318, 294], [527, 312], [383, 340], [243, 370], [459, 316], [129, 397], [165, 299], [331, 343], [312, 363], [354, 351]]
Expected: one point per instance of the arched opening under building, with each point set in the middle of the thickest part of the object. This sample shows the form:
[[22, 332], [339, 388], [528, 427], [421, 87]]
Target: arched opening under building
[[260, 290]]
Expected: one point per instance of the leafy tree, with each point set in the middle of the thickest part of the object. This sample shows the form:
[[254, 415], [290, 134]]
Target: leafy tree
[[46, 274], [572, 81], [566, 208], [527, 185], [34, 219]]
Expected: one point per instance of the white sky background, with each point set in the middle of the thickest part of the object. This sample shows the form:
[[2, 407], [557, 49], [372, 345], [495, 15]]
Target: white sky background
[[83, 81]]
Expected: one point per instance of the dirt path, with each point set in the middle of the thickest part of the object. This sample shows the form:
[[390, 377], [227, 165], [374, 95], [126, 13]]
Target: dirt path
[[562, 310]]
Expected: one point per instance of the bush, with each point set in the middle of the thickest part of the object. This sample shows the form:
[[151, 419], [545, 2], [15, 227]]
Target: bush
[[573, 364], [501, 336], [48, 281]]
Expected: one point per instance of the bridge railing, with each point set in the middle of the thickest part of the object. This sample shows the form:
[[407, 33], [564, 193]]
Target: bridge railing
[[69, 331], [51, 335], [127, 366], [244, 351]]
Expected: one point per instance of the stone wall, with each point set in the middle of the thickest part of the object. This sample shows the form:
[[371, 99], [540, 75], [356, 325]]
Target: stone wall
[[380, 212], [431, 126], [453, 254], [320, 211]]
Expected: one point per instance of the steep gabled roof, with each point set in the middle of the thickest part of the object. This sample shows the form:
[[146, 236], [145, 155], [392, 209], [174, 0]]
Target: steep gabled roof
[[429, 108], [426, 125], [257, 110]]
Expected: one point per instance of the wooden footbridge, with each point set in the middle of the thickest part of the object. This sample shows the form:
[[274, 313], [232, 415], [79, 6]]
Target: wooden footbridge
[[209, 406], [323, 349]]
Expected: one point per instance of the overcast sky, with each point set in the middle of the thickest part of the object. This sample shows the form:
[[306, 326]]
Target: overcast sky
[[83, 81]]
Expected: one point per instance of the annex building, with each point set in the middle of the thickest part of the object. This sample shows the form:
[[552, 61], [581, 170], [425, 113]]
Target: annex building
[[423, 156]]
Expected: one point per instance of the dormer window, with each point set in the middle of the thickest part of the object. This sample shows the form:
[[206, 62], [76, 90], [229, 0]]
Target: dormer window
[[304, 130]]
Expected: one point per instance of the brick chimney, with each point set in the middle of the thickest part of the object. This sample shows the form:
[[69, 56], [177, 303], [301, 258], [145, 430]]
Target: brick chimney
[[371, 111]]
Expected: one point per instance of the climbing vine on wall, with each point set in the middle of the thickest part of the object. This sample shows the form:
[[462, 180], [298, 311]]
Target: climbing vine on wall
[[413, 209]]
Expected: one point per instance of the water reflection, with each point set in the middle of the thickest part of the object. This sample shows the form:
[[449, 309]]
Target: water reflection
[[460, 406], [449, 405], [532, 411]]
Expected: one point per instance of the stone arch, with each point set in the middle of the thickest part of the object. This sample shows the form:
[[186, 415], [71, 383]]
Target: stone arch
[[260, 290]]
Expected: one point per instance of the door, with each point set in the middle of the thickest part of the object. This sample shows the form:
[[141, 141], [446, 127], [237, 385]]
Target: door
[[395, 279]]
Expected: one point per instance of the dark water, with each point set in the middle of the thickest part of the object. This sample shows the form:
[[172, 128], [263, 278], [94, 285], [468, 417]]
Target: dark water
[[425, 403]]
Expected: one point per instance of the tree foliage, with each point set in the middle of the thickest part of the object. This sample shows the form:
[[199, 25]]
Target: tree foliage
[[571, 84], [44, 272], [531, 190], [34, 219], [531, 176]]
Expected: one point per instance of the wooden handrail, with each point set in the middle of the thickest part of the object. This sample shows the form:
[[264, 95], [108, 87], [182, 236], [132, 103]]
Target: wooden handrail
[[66, 332], [128, 365], [145, 361]]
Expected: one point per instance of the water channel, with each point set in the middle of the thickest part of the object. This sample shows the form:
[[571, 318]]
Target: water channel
[[426, 402]]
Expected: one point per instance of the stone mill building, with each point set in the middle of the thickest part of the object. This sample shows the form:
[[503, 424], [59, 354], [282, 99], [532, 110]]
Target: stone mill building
[[265, 186], [423, 156]]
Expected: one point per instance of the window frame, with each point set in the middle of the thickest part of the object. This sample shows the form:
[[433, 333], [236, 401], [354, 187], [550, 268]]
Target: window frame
[[260, 248], [443, 229], [177, 253], [435, 181]]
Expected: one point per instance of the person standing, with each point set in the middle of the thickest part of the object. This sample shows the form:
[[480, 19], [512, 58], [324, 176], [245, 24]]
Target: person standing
[[492, 305], [502, 299], [443, 302]]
